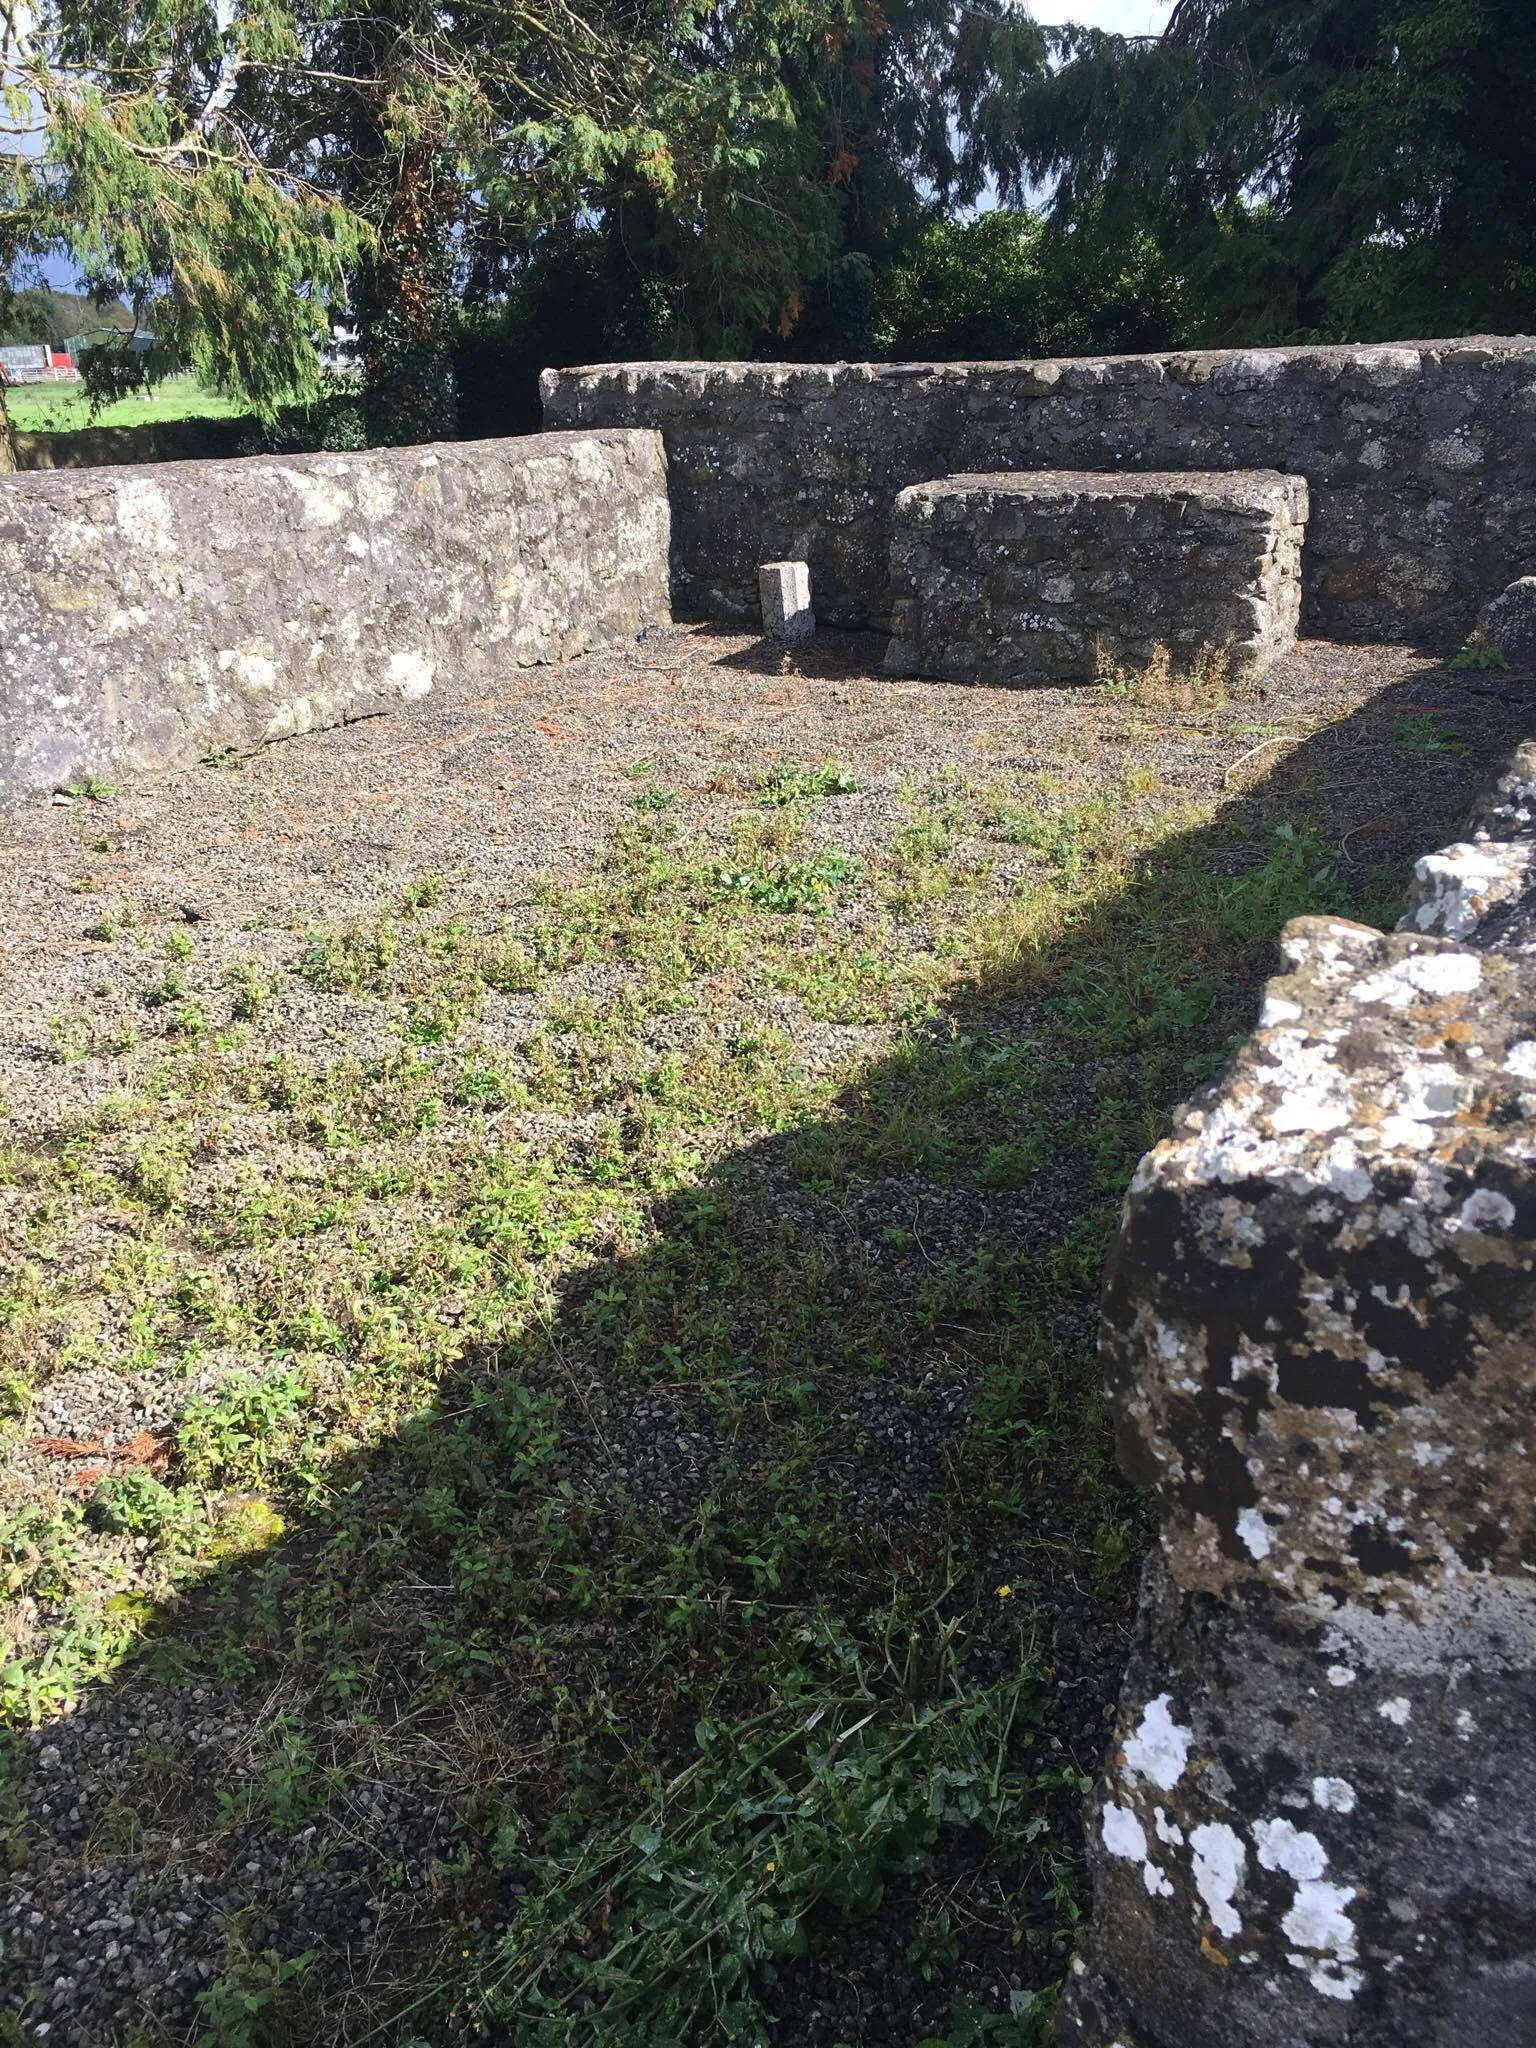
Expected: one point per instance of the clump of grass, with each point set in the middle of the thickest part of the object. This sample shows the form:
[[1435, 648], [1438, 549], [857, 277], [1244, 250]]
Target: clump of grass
[[1203, 686], [1478, 654], [783, 786], [789, 885]]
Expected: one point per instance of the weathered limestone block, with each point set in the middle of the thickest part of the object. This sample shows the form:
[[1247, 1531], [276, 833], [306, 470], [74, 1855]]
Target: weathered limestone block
[[1023, 577], [1317, 1823], [1420, 458], [1508, 621], [785, 589], [147, 616]]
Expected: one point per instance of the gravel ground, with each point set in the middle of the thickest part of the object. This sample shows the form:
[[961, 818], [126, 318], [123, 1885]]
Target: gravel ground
[[106, 1945]]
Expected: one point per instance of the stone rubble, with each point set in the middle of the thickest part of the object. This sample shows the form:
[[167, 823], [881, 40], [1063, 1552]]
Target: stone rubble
[[1508, 622]]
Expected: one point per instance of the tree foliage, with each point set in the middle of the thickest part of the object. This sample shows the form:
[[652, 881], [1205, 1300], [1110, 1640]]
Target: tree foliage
[[1008, 284], [1313, 168], [480, 182]]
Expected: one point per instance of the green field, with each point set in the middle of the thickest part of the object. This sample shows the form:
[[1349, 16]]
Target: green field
[[61, 408]]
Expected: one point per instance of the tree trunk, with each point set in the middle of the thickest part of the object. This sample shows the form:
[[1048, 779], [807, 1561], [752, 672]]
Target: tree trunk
[[406, 315], [7, 448]]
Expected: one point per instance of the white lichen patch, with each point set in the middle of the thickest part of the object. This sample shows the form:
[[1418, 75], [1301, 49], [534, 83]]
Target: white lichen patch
[[1123, 1834], [1420, 974], [1218, 1859], [410, 673], [1334, 1795], [1253, 1531], [1398, 1711], [1283, 1846], [1168, 1832], [1485, 1209], [1319, 1920], [1159, 1749]]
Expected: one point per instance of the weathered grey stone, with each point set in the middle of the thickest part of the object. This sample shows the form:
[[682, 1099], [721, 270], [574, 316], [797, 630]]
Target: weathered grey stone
[[149, 616], [1456, 890], [1318, 1819], [1508, 810], [1420, 456], [1337, 1839], [1508, 621], [1026, 576], [785, 591]]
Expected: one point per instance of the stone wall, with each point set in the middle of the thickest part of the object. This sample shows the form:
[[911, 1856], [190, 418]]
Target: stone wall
[[1421, 458], [1034, 576], [155, 441], [1317, 1823], [148, 617]]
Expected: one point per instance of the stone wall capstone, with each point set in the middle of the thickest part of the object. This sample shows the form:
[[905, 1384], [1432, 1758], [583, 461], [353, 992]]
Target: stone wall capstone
[[1317, 1821], [148, 617], [1420, 458]]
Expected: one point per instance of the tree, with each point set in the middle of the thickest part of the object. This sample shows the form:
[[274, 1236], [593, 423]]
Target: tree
[[1325, 169], [249, 172], [154, 167], [1007, 284]]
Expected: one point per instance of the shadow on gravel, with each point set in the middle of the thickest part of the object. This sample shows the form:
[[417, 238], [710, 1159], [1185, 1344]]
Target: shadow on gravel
[[721, 1658]]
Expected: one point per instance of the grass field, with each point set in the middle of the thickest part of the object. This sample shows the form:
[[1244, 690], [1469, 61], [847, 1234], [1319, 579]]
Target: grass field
[[63, 408]]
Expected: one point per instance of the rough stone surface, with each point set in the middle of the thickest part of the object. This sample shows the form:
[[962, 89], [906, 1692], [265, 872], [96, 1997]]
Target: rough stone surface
[[1421, 458], [1318, 1820], [148, 618], [1024, 577], [785, 591], [1508, 621]]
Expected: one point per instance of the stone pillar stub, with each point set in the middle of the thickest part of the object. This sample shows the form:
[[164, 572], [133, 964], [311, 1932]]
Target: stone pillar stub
[[1317, 1821], [785, 590]]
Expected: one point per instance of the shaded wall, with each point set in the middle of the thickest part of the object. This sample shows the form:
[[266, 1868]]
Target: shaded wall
[[1421, 458], [155, 441]]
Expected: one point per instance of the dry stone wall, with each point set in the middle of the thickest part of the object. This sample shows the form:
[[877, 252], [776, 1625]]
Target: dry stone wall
[[1317, 1822], [1420, 457], [1030, 576], [148, 617]]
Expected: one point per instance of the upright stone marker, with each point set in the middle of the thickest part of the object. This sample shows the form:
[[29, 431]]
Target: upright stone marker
[[785, 589], [1317, 1823]]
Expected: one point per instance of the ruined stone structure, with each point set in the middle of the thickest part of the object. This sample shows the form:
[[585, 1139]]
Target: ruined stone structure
[[1420, 458], [1024, 577], [147, 617], [1317, 1823]]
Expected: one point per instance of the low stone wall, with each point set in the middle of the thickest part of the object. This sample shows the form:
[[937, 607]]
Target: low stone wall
[[147, 618], [1421, 458], [1318, 1819], [155, 441], [1029, 576]]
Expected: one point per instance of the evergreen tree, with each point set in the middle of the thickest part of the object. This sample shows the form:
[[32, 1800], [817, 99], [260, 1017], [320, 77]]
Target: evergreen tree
[[1325, 169]]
